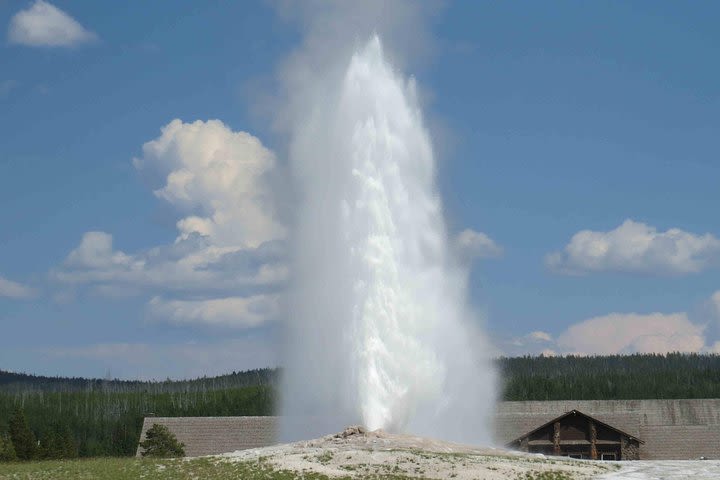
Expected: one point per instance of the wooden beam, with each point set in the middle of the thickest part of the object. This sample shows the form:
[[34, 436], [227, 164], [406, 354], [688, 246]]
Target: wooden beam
[[593, 440], [556, 439]]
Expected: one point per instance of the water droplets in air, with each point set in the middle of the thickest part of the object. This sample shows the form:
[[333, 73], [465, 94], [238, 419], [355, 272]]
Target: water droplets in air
[[378, 329]]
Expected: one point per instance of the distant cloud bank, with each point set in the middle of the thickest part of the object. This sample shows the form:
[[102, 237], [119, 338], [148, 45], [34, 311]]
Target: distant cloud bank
[[622, 333], [158, 361], [635, 247], [44, 25]]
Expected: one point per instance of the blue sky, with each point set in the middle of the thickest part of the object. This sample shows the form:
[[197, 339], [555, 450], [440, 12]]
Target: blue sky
[[581, 138]]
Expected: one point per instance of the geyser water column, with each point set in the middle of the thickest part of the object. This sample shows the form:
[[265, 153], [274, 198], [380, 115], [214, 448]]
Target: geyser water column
[[378, 331]]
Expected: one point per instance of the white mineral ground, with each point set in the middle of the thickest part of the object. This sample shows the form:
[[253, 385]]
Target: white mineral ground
[[666, 470], [355, 453]]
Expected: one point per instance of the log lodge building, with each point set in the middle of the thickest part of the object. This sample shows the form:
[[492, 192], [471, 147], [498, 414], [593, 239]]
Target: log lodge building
[[577, 435], [591, 429]]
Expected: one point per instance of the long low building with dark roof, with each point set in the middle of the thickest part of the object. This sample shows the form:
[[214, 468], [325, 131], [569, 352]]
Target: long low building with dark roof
[[619, 429], [215, 435]]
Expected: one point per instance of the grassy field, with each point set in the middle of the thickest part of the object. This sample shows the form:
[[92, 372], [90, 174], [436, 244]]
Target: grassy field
[[133, 469], [199, 469]]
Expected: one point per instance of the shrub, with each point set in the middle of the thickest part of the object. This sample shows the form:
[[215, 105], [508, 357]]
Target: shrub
[[160, 442]]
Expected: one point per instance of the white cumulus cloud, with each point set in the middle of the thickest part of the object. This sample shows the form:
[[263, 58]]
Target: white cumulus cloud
[[96, 252], [228, 259], [638, 248], [715, 300], [472, 244], [192, 265], [245, 312], [217, 176], [540, 336], [534, 343], [621, 333], [44, 25], [531, 339], [10, 289]]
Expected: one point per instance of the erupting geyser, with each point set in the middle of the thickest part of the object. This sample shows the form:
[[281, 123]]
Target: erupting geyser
[[378, 330]]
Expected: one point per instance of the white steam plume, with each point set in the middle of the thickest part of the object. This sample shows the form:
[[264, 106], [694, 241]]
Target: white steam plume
[[378, 331]]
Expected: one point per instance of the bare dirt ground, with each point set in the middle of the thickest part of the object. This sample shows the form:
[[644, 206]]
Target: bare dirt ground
[[358, 454]]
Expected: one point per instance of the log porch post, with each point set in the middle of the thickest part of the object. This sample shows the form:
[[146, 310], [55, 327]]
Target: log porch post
[[593, 441]]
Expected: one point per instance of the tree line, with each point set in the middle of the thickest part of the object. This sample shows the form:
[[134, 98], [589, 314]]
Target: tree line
[[20, 443], [102, 423], [613, 377], [88, 417], [12, 382]]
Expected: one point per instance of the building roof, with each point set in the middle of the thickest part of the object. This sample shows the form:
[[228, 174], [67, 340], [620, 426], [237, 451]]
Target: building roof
[[703, 411], [681, 442], [214, 435], [574, 413]]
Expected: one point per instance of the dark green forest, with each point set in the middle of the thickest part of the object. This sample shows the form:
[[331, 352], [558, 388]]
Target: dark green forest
[[93, 417], [105, 416], [615, 377]]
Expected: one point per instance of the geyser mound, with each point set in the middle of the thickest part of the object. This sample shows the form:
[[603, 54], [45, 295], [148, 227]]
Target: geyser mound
[[378, 331]]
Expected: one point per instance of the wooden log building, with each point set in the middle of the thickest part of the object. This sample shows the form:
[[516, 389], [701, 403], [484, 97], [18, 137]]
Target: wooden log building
[[577, 435], [673, 429]]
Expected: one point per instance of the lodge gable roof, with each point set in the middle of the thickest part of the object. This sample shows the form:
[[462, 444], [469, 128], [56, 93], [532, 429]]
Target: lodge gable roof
[[574, 413]]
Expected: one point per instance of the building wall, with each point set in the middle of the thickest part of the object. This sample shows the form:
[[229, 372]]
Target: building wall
[[652, 412], [681, 442], [630, 449]]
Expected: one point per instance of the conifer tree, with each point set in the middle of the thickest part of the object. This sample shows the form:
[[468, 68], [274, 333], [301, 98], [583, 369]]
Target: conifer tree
[[68, 447], [160, 442], [50, 447], [22, 437], [43, 450], [7, 451]]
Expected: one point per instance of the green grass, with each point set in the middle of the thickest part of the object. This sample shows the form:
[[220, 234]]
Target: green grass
[[133, 469], [547, 475], [325, 457], [146, 469]]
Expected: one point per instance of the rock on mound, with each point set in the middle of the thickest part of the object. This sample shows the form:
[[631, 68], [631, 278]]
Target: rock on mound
[[350, 431]]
